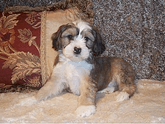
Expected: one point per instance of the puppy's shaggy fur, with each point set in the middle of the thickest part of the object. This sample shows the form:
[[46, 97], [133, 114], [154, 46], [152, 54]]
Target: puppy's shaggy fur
[[79, 70]]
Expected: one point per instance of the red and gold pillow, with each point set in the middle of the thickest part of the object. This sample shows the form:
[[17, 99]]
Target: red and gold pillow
[[20, 49]]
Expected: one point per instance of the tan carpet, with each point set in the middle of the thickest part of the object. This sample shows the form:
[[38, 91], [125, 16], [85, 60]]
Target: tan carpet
[[147, 105]]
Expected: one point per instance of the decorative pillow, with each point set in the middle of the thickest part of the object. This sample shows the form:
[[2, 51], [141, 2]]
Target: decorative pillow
[[20, 49], [26, 53]]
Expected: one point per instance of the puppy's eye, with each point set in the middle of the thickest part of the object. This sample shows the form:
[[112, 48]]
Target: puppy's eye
[[86, 38], [70, 37], [89, 43]]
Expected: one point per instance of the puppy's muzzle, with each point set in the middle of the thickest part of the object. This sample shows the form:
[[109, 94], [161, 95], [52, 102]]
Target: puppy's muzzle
[[77, 50]]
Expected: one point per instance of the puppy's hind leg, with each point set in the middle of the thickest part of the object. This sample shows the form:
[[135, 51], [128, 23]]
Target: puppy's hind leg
[[53, 87], [126, 93], [126, 85]]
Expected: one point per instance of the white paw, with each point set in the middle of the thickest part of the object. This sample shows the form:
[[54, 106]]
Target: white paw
[[110, 88], [84, 111], [122, 96], [107, 90]]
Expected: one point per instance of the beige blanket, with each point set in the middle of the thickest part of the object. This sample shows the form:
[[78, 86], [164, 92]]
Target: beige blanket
[[147, 105]]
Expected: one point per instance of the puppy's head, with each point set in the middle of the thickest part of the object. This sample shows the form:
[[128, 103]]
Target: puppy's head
[[78, 41]]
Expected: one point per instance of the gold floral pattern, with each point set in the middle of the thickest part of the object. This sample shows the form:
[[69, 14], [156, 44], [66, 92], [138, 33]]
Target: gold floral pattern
[[7, 33], [32, 19], [34, 81], [8, 21], [26, 36], [6, 36], [23, 64]]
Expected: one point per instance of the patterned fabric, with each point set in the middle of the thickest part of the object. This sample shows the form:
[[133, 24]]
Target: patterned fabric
[[26, 53], [20, 49]]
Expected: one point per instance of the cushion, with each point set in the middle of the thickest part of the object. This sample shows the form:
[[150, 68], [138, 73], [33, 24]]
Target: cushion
[[20, 49], [26, 53]]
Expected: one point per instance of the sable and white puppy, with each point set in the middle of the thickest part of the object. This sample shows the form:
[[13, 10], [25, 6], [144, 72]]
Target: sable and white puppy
[[79, 70]]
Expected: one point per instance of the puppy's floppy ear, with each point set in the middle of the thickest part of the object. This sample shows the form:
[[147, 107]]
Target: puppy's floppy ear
[[98, 47], [57, 44]]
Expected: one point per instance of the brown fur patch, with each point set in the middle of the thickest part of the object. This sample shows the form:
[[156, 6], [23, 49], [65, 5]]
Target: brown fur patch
[[109, 69]]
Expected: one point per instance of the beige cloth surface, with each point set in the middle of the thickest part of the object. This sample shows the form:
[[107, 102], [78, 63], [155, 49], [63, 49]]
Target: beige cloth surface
[[147, 105]]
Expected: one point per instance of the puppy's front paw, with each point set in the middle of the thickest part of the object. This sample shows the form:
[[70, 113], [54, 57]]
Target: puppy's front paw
[[122, 96], [84, 111]]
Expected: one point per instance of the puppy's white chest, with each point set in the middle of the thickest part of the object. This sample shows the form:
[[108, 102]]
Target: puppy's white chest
[[75, 73], [72, 73], [77, 69]]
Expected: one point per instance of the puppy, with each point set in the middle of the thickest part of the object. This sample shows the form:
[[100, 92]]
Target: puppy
[[79, 69]]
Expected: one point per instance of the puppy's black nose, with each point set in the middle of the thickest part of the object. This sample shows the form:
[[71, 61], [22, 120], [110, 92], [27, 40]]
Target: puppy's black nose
[[77, 50]]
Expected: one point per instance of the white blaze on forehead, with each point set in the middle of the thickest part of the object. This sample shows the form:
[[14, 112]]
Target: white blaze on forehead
[[79, 42], [82, 25]]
